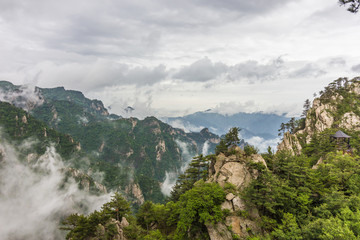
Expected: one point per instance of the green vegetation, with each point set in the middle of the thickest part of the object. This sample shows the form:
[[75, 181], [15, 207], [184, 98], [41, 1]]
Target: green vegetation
[[17, 126], [193, 205], [230, 140], [297, 201], [197, 170], [124, 149], [314, 195], [184, 219], [127, 151], [83, 227]]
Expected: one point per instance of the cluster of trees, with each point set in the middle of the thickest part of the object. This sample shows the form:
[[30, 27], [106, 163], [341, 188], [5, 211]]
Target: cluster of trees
[[294, 124], [183, 219], [198, 169], [85, 227], [231, 139], [17, 126], [297, 201]]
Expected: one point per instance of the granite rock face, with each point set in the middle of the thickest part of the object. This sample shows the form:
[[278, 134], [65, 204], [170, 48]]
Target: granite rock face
[[333, 109], [235, 171]]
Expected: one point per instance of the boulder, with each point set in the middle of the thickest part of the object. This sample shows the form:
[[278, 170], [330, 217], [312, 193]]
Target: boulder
[[230, 196], [350, 121], [290, 143], [219, 231], [235, 173], [243, 227]]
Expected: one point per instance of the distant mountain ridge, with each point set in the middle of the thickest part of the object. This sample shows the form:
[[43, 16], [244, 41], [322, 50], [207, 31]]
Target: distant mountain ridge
[[19, 95], [265, 125], [134, 155]]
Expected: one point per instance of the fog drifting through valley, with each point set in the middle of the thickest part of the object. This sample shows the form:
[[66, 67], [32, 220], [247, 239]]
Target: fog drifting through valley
[[34, 196]]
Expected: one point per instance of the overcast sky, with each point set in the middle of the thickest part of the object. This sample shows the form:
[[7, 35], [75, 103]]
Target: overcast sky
[[170, 58]]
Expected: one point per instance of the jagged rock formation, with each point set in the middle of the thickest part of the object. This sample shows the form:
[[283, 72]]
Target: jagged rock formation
[[338, 107], [133, 190], [85, 181], [291, 143], [119, 232], [234, 173]]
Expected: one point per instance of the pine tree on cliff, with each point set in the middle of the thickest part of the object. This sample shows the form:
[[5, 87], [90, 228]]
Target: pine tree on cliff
[[197, 170], [231, 139]]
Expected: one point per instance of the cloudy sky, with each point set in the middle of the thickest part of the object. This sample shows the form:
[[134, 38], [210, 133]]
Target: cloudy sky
[[169, 58]]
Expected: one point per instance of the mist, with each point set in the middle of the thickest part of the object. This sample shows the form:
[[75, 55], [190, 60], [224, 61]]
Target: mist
[[171, 177], [262, 144], [205, 149], [27, 97], [34, 196]]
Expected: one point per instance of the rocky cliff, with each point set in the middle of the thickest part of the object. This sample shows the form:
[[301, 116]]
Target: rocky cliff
[[337, 108], [234, 173]]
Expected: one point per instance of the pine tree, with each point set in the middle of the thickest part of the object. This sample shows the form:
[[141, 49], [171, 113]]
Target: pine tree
[[197, 170]]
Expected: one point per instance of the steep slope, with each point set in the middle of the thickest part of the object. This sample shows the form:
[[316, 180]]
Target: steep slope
[[134, 154], [32, 138], [337, 108]]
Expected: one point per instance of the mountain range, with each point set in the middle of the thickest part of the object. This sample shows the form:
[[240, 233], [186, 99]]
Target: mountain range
[[260, 124], [134, 156]]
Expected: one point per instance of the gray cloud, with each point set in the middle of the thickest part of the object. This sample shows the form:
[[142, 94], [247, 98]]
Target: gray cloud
[[95, 75], [94, 46], [121, 28], [255, 71], [205, 70], [144, 75], [201, 71], [309, 70], [356, 68], [245, 7], [337, 62]]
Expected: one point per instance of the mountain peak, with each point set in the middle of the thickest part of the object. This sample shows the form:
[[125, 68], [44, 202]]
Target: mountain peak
[[337, 108]]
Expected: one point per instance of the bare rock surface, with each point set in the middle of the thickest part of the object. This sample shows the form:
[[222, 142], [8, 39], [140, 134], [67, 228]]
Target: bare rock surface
[[234, 170]]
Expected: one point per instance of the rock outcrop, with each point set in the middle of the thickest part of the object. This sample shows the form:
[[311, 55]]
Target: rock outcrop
[[133, 190], [337, 107], [85, 180], [290, 143], [119, 227], [350, 121], [235, 173]]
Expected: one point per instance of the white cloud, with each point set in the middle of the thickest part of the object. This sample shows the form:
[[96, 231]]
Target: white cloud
[[201, 71], [356, 68], [187, 127], [263, 144], [34, 197], [171, 177], [184, 56]]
